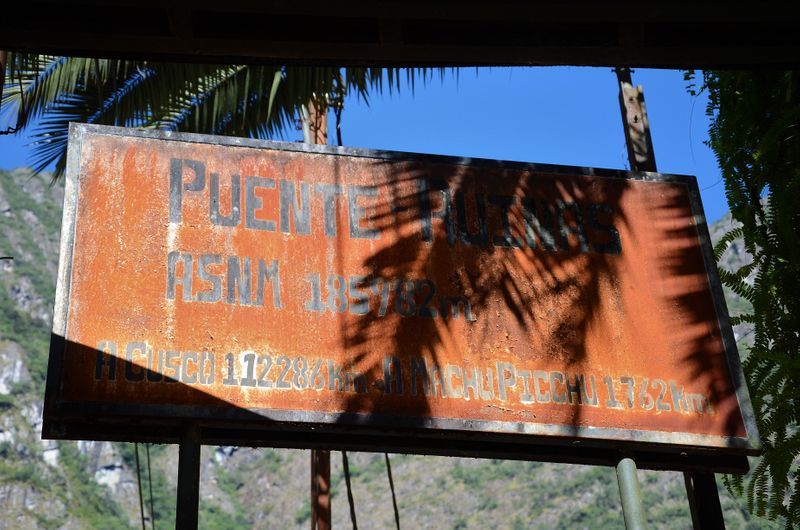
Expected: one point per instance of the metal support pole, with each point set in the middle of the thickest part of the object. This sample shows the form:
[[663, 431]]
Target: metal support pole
[[701, 488], [704, 501], [188, 479], [315, 131], [632, 509], [320, 489], [635, 123]]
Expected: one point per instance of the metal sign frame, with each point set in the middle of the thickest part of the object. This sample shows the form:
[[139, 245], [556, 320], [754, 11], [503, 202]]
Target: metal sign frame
[[371, 432]]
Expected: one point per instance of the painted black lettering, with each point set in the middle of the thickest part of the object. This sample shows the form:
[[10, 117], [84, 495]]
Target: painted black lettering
[[355, 382], [359, 300], [470, 382], [335, 377], [329, 193], [404, 302], [575, 389], [185, 280], [558, 397], [186, 377], [300, 378], [437, 382], [678, 398], [453, 305], [269, 274], [286, 364], [481, 237], [239, 281], [337, 294], [487, 392], [176, 186], [427, 287], [253, 202], [646, 401], [613, 244], [590, 398], [392, 376], [132, 371], [698, 403], [419, 369], [266, 365], [662, 393], [206, 368], [233, 218], [451, 371], [538, 226], [215, 293], [628, 382], [611, 402], [357, 213], [301, 211], [426, 212], [565, 228], [506, 378], [317, 381], [541, 397], [382, 288], [106, 357], [525, 396], [503, 204], [155, 363], [230, 376], [249, 379]]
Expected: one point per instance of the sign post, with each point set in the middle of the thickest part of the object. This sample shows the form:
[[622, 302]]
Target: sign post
[[315, 131], [632, 508], [188, 479], [701, 487]]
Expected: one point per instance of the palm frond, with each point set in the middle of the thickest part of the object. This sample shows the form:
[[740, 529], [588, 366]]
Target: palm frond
[[44, 93]]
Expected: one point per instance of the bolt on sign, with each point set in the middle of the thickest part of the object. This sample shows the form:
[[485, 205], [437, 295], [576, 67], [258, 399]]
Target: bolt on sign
[[294, 295]]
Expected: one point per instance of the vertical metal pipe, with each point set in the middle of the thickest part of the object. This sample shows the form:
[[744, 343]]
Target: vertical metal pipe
[[188, 479], [701, 487], [632, 509], [635, 123], [315, 131], [320, 489], [306, 122]]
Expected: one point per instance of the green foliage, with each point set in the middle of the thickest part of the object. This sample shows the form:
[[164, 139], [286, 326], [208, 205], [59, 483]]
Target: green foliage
[[87, 500], [21, 328], [163, 496], [755, 135], [6, 402], [163, 499], [212, 517], [239, 100], [303, 513]]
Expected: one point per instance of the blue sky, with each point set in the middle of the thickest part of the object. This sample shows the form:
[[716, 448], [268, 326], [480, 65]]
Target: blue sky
[[558, 115]]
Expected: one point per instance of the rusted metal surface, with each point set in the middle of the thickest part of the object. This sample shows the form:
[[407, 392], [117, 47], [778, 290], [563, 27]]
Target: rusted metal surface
[[287, 285]]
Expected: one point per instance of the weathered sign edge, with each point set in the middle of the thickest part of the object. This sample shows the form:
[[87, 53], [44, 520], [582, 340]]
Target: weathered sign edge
[[54, 408]]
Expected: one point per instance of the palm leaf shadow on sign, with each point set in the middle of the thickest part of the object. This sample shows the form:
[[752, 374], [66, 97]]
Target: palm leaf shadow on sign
[[553, 294], [693, 342], [521, 282]]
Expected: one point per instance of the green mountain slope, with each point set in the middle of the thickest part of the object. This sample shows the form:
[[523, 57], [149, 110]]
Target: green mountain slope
[[68, 485]]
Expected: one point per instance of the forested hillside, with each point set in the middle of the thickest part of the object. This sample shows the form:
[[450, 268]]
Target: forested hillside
[[45, 484]]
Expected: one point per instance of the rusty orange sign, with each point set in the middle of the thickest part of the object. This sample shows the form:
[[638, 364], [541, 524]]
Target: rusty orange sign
[[278, 288]]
